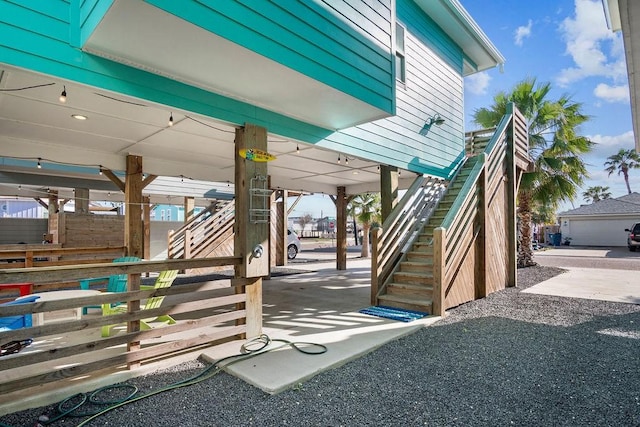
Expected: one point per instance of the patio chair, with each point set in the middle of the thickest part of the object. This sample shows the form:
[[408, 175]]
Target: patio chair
[[116, 282], [164, 280], [20, 321]]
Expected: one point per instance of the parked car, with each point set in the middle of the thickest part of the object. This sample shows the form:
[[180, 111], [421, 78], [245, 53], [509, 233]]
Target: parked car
[[293, 244], [633, 241]]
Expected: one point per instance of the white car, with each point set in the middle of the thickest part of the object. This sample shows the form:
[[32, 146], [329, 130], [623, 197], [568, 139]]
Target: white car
[[293, 244]]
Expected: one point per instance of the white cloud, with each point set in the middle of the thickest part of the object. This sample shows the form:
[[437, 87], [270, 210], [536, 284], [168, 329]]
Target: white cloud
[[612, 93], [586, 36], [478, 83], [523, 32], [607, 145]]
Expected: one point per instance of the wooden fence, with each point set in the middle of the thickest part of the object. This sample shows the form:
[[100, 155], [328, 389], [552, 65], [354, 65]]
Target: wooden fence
[[73, 351]]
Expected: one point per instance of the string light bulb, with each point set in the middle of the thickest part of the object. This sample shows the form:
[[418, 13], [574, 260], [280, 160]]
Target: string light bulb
[[338, 158], [39, 165], [63, 95], [297, 149], [100, 170], [171, 119], [346, 160], [378, 168]]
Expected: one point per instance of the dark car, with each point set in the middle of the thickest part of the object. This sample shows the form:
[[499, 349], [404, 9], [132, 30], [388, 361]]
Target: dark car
[[633, 241]]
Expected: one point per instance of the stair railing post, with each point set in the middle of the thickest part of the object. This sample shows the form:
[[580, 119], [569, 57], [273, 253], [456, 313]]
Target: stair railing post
[[375, 253], [511, 210], [439, 271]]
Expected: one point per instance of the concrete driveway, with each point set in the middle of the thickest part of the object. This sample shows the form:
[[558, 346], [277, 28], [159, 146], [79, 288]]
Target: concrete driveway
[[592, 273]]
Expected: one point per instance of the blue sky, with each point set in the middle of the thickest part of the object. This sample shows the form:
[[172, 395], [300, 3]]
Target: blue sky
[[566, 43]]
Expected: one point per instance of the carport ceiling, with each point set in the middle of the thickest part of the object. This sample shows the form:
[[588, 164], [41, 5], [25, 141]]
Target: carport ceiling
[[35, 124]]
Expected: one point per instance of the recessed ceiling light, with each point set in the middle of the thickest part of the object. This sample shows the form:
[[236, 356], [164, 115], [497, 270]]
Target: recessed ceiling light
[[79, 117]]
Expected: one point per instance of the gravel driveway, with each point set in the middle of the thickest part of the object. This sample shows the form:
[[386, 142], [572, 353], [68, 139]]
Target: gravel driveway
[[509, 359]]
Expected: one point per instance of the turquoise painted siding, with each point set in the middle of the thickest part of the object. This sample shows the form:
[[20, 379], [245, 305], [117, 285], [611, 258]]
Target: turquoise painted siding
[[434, 85], [85, 17], [344, 44], [354, 57]]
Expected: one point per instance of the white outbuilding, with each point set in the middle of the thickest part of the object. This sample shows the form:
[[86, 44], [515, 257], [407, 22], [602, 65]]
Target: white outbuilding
[[601, 223]]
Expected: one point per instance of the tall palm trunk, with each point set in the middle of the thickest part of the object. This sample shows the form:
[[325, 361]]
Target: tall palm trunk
[[625, 172], [525, 252], [364, 253]]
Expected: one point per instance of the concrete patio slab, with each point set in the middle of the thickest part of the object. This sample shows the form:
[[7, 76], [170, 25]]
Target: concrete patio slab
[[592, 283]]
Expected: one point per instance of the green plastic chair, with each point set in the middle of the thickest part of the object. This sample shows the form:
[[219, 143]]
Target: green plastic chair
[[164, 280], [116, 282]]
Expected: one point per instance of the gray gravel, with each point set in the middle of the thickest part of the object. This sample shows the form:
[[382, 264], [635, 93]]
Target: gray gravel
[[509, 359]]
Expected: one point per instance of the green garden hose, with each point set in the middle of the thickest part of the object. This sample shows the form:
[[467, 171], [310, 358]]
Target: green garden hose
[[251, 348]]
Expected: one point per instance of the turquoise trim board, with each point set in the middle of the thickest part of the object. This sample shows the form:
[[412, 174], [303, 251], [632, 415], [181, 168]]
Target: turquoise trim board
[[85, 16], [45, 48], [318, 39]]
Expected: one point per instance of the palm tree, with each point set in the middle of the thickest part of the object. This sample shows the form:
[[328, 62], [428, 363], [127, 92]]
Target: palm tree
[[366, 208], [554, 145], [596, 193], [621, 162]]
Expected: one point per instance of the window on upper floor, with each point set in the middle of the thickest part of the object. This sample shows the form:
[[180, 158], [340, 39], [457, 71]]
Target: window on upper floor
[[401, 67]]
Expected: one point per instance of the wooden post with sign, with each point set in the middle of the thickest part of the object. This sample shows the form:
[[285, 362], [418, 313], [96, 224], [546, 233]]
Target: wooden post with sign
[[251, 228]]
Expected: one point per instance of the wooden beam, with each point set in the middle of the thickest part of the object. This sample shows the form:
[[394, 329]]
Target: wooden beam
[[117, 181], [148, 180], [293, 205], [42, 203]]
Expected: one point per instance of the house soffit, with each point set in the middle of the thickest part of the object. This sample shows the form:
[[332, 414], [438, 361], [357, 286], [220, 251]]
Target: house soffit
[[460, 26], [142, 36]]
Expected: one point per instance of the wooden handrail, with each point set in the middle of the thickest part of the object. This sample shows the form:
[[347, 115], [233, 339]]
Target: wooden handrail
[[192, 239], [76, 272], [400, 228]]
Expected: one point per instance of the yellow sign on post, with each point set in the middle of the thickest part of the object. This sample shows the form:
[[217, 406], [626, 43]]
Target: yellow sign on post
[[256, 155]]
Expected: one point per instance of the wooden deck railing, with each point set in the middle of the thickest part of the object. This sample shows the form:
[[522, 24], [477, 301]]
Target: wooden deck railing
[[48, 255], [466, 225], [474, 245], [200, 236], [73, 351], [389, 241]]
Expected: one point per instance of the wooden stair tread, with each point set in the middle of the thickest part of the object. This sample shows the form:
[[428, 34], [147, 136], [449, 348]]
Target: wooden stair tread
[[407, 301], [411, 286]]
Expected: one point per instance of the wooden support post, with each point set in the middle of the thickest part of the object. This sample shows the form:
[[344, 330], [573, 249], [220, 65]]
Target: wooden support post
[[481, 246], [512, 196], [439, 272], [53, 216], [189, 208], [81, 200], [254, 307], [375, 239], [251, 227], [341, 224], [388, 189], [281, 228], [133, 235], [146, 220]]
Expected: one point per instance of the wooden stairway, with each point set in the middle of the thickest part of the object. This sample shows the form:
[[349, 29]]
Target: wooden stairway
[[411, 284]]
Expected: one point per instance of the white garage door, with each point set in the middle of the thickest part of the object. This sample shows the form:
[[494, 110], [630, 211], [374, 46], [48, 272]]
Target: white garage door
[[596, 232]]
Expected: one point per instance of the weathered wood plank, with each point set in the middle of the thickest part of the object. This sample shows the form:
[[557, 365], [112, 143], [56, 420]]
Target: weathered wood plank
[[75, 272]]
